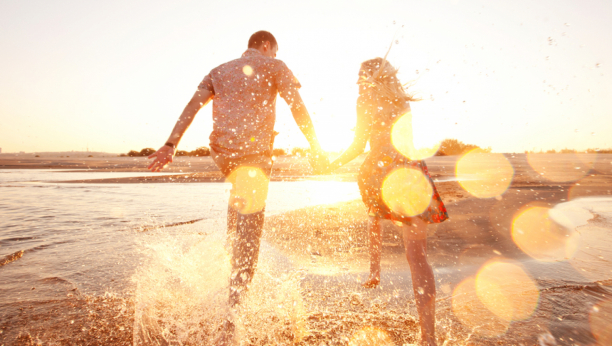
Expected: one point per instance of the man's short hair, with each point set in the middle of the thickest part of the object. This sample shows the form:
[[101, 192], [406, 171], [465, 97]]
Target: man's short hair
[[258, 38]]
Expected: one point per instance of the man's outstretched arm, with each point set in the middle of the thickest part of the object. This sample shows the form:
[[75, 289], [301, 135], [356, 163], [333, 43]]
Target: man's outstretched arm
[[302, 119], [164, 155]]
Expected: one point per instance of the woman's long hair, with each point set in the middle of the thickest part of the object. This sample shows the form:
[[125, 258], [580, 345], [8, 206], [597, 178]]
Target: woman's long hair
[[380, 78]]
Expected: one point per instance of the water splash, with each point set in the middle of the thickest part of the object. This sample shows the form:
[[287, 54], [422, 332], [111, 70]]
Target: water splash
[[182, 292]]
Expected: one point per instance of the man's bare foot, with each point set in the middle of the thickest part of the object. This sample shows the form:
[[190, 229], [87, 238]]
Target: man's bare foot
[[226, 334], [372, 282]]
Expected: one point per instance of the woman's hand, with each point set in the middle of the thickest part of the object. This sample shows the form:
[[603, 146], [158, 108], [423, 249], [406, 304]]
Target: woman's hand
[[319, 162], [161, 158]]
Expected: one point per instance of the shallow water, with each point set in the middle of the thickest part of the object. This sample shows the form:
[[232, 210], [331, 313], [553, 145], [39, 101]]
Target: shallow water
[[83, 235], [84, 240]]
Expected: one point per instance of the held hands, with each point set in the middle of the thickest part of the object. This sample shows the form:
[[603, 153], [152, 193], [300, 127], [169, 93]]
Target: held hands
[[161, 158], [319, 161]]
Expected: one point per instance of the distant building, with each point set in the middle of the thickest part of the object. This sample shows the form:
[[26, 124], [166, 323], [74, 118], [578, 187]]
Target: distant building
[[0, 150]]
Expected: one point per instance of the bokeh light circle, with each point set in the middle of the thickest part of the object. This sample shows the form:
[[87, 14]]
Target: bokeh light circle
[[561, 167], [601, 322], [247, 70], [407, 191], [472, 313], [484, 175], [402, 137], [249, 189], [536, 234], [371, 336], [507, 291]]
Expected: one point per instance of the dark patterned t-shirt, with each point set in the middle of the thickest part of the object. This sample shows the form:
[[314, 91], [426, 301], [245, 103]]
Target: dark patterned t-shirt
[[244, 103]]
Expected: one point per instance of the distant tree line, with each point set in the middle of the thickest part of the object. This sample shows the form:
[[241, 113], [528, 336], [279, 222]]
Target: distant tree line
[[201, 151], [570, 151], [449, 147]]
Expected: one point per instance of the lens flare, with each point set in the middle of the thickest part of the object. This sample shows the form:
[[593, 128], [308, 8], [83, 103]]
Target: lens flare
[[247, 70], [371, 336], [249, 189], [403, 140], [473, 313], [601, 322], [484, 175], [407, 191], [561, 167], [534, 232], [507, 291]]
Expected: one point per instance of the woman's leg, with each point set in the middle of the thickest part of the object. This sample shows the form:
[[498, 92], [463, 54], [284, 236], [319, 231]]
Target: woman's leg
[[423, 284], [375, 251]]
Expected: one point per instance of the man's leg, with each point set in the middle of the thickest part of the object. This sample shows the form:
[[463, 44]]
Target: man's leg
[[245, 253], [249, 192]]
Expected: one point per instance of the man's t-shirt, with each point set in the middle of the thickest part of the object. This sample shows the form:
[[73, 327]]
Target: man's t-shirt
[[244, 103]]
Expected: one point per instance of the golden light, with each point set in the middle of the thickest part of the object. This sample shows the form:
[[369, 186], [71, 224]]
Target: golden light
[[403, 140], [601, 322], [484, 175], [588, 186], [473, 313], [538, 236], [407, 191], [507, 291], [371, 336], [247, 70], [249, 189], [561, 167]]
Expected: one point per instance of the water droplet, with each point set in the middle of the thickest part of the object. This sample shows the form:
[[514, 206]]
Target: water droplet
[[420, 290], [396, 41], [381, 164]]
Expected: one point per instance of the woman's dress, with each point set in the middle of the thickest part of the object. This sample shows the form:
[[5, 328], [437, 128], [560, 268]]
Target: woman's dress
[[384, 159]]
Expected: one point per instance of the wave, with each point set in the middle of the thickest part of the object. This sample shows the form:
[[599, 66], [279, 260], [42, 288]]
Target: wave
[[144, 228], [11, 258]]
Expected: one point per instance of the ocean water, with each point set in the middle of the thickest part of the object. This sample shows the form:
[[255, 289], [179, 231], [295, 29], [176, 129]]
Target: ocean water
[[84, 236], [163, 247]]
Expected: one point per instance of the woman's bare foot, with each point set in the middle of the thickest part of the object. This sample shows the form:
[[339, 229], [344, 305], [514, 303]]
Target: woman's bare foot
[[372, 282]]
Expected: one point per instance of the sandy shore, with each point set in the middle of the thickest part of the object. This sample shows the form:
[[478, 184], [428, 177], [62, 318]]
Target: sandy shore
[[331, 241]]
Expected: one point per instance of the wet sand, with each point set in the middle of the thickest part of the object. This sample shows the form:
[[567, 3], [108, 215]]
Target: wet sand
[[330, 242]]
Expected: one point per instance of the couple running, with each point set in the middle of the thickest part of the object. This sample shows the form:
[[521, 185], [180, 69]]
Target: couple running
[[244, 106]]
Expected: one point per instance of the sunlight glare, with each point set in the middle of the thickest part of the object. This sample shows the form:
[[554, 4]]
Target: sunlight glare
[[403, 140], [472, 313], [601, 322], [371, 336], [507, 291], [407, 192], [484, 175], [249, 189], [536, 234], [567, 167]]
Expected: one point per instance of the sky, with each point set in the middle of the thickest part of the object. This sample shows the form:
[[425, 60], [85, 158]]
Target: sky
[[115, 75]]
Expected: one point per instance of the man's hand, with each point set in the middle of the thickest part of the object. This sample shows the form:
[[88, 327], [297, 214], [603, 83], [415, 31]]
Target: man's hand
[[161, 158]]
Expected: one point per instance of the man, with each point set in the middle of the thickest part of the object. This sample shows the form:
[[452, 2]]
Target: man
[[244, 105]]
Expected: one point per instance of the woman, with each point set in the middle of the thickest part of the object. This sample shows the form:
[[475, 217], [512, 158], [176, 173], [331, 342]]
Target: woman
[[382, 102]]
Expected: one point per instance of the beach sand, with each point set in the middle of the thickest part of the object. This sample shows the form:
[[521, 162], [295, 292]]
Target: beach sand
[[330, 241]]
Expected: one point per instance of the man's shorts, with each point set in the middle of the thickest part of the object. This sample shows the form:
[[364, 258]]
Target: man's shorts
[[250, 176]]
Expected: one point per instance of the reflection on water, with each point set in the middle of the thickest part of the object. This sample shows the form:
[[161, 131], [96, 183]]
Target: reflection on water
[[87, 238], [85, 235]]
